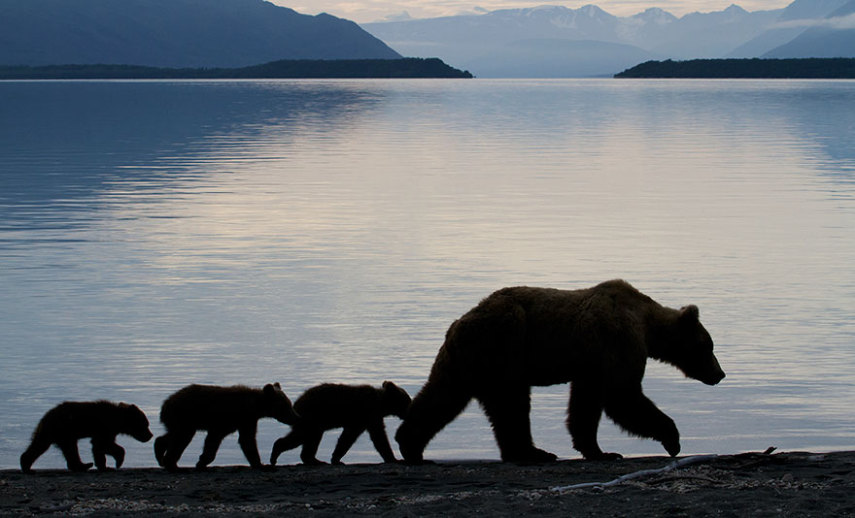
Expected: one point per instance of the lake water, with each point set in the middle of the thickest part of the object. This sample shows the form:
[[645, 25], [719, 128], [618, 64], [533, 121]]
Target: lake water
[[156, 234]]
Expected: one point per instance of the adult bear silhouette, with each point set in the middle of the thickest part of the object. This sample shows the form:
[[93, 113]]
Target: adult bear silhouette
[[598, 339], [220, 411]]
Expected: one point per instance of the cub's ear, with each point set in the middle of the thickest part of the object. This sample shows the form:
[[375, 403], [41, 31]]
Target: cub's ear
[[269, 389], [124, 405], [690, 312], [388, 385], [277, 386]]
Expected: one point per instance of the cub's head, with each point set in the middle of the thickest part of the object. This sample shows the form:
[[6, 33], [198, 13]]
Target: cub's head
[[685, 344], [396, 401], [278, 405], [134, 422]]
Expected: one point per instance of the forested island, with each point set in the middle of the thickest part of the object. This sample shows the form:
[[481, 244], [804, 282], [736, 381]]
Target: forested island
[[284, 69], [805, 68]]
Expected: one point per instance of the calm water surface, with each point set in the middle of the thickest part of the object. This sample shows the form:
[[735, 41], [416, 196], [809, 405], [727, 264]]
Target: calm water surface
[[155, 234]]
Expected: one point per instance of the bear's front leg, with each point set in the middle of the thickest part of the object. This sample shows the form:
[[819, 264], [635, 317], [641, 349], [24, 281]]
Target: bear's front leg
[[636, 414], [246, 439], [377, 432], [583, 420], [101, 447]]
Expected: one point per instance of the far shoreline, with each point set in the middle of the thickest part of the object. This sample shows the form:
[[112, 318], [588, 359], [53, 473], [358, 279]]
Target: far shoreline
[[749, 68], [404, 68]]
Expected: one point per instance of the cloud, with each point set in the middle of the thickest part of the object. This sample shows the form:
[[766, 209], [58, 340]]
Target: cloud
[[400, 17]]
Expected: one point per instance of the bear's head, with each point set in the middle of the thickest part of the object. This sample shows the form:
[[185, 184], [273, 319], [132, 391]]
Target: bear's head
[[277, 404], [135, 423], [396, 401], [684, 343]]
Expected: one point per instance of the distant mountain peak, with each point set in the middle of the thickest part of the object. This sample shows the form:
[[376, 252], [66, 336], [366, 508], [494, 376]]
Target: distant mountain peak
[[593, 11], [655, 15]]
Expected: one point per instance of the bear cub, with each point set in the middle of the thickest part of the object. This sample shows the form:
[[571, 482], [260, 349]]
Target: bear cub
[[355, 408], [102, 421], [220, 411]]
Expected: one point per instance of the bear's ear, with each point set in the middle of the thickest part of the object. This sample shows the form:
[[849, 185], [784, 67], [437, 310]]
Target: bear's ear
[[277, 386], [124, 405], [388, 385], [690, 312], [269, 390]]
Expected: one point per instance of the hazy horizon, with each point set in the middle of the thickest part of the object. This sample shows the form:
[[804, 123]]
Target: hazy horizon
[[384, 10]]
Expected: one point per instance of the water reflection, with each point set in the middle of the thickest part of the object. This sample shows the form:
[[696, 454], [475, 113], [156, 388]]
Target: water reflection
[[160, 233]]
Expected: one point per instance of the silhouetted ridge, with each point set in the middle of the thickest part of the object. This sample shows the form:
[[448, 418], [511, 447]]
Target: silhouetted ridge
[[175, 33]]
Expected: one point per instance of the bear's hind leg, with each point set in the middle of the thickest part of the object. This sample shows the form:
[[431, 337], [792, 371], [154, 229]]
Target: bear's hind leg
[[209, 450], [35, 450], [436, 405], [311, 441], [508, 409], [72, 455], [176, 443], [160, 448], [283, 444], [583, 419], [345, 441]]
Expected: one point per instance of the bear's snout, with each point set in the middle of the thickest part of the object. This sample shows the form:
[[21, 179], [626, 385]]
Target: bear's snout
[[716, 373], [144, 436], [715, 379]]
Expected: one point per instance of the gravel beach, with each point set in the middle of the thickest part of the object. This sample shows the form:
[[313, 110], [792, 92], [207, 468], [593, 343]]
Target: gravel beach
[[750, 484]]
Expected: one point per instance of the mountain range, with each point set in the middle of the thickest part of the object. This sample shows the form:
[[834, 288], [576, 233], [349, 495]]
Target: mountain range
[[556, 41], [175, 33]]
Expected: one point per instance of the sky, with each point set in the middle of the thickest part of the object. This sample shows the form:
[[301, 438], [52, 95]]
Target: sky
[[379, 10]]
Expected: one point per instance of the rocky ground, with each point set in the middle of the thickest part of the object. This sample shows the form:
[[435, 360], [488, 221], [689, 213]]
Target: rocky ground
[[754, 484]]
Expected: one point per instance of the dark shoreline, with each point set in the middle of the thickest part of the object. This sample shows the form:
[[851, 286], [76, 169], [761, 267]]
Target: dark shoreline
[[755, 68], [409, 68], [751, 484]]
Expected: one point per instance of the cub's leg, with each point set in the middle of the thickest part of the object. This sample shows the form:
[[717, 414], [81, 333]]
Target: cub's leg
[[209, 451], [160, 445], [72, 455], [177, 443], [283, 444], [345, 441], [377, 432], [246, 439], [101, 447], [311, 441]]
